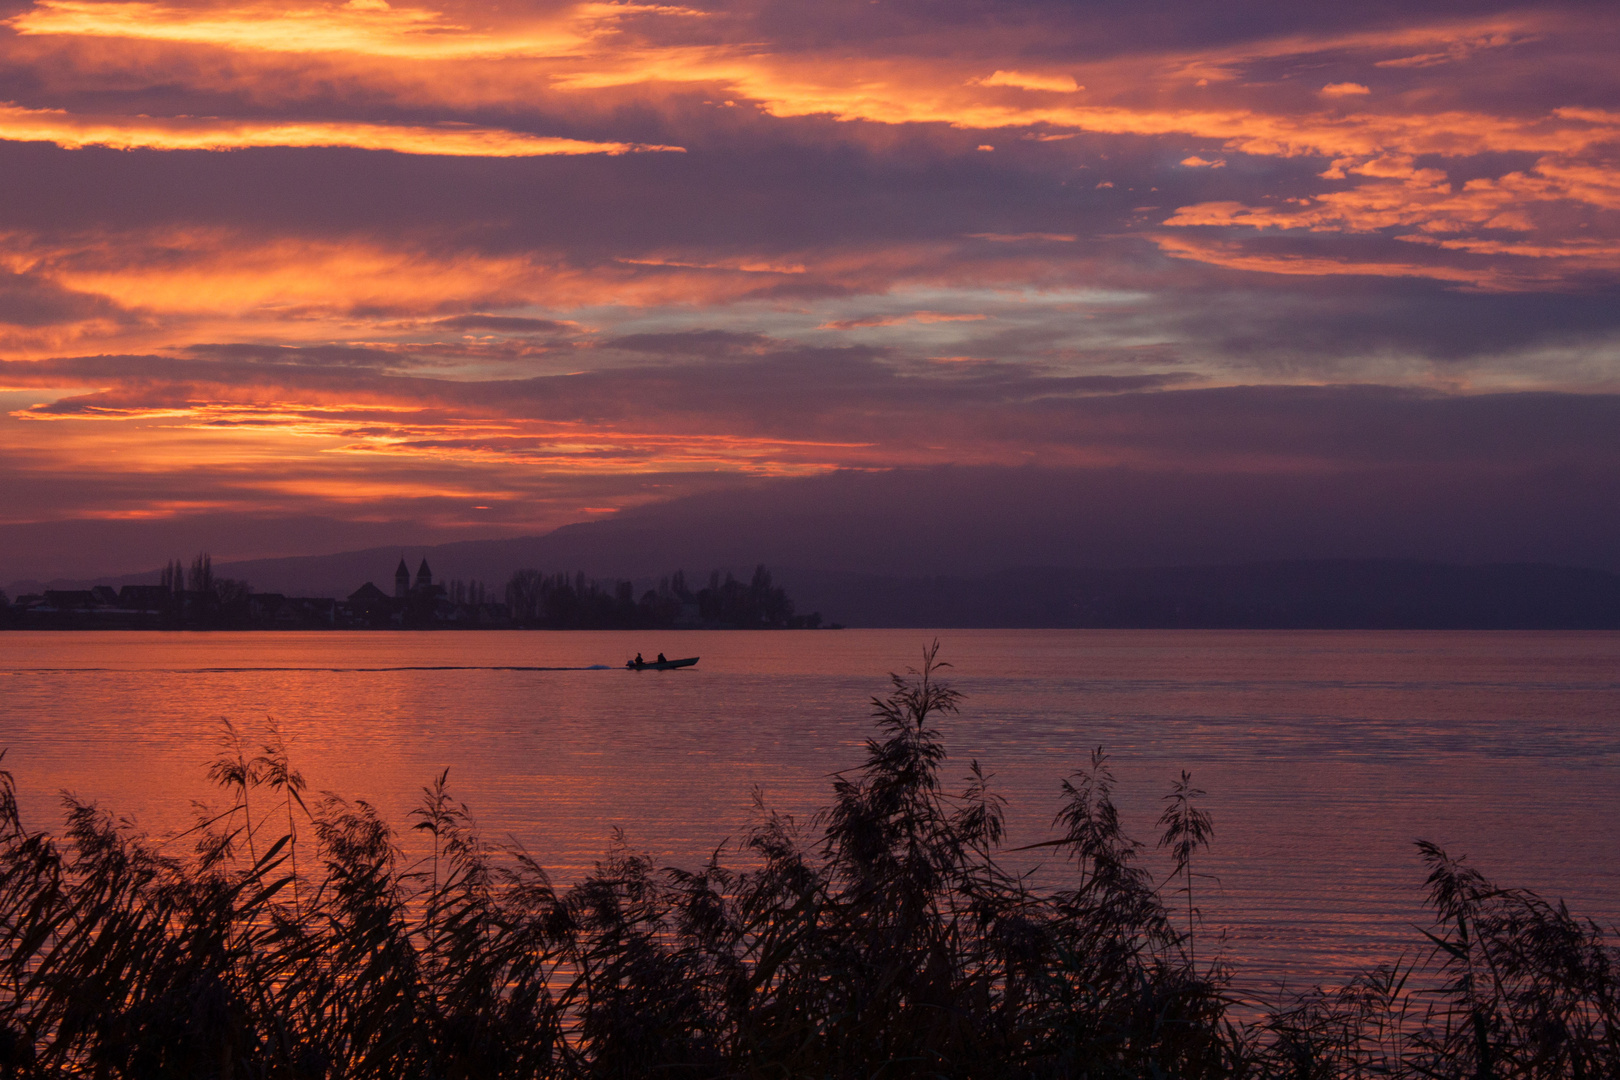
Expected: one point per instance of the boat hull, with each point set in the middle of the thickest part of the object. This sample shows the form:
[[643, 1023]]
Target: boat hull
[[667, 665]]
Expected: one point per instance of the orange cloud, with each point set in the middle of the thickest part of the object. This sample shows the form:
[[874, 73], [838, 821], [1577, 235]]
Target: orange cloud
[[1024, 80], [1458, 49], [228, 275], [259, 424], [151, 289], [585, 50], [1592, 253], [187, 133], [236, 285], [373, 29], [594, 56], [1235, 257], [1407, 196]]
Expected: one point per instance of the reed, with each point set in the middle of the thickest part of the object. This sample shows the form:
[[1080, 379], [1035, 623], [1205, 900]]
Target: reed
[[887, 937]]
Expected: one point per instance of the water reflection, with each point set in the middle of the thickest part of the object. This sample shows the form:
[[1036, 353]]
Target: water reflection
[[1325, 755]]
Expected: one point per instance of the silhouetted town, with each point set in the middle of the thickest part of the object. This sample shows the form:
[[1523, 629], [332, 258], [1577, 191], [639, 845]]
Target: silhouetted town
[[194, 599]]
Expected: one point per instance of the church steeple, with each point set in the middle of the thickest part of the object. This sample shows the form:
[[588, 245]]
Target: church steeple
[[402, 579], [424, 576]]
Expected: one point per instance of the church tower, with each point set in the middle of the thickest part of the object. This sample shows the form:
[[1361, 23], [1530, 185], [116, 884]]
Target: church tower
[[424, 577], [402, 580]]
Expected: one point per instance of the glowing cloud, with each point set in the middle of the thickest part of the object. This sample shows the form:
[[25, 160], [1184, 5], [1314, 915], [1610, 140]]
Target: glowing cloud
[[374, 29], [1024, 80], [186, 133], [1234, 257]]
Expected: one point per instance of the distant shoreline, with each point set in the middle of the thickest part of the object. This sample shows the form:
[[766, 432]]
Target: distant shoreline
[[197, 599], [53, 629], [1344, 594], [939, 627]]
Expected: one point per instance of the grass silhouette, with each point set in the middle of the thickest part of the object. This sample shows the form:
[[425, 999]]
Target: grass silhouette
[[885, 940]]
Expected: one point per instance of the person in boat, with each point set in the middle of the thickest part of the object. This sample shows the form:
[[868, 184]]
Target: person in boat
[[638, 661], [661, 659]]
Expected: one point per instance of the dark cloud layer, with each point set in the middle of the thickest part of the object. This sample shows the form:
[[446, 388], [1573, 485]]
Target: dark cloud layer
[[1116, 472], [470, 269], [27, 301]]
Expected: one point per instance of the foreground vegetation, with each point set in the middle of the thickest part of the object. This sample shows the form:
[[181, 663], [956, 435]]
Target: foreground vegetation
[[889, 941]]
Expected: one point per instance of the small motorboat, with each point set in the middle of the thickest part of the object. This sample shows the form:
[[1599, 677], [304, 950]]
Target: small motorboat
[[660, 665]]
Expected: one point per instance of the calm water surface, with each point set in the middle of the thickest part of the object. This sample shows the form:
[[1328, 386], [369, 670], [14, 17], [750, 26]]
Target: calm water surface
[[1324, 754]]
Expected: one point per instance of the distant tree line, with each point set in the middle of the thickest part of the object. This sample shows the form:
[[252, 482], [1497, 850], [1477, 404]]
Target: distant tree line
[[201, 600], [561, 602], [185, 598], [193, 598]]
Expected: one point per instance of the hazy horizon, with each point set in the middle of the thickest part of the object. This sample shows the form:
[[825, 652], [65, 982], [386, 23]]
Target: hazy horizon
[[922, 522]]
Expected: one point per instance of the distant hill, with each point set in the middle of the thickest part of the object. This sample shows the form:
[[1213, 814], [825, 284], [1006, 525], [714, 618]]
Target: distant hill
[[944, 547], [1300, 594], [1325, 594]]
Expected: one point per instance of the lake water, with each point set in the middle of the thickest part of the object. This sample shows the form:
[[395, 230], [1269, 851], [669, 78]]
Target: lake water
[[1324, 754]]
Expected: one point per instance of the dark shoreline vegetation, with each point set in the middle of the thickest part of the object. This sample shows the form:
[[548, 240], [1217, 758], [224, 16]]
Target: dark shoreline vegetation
[[1319, 594], [198, 600], [885, 938]]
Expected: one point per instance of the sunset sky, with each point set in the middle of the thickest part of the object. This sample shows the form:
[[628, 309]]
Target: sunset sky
[[294, 278]]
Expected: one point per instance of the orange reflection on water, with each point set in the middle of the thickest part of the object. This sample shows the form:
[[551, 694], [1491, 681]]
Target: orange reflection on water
[[1324, 754]]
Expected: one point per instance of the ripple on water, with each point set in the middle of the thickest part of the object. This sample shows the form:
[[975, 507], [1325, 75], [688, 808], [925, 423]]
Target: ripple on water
[[1325, 755]]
